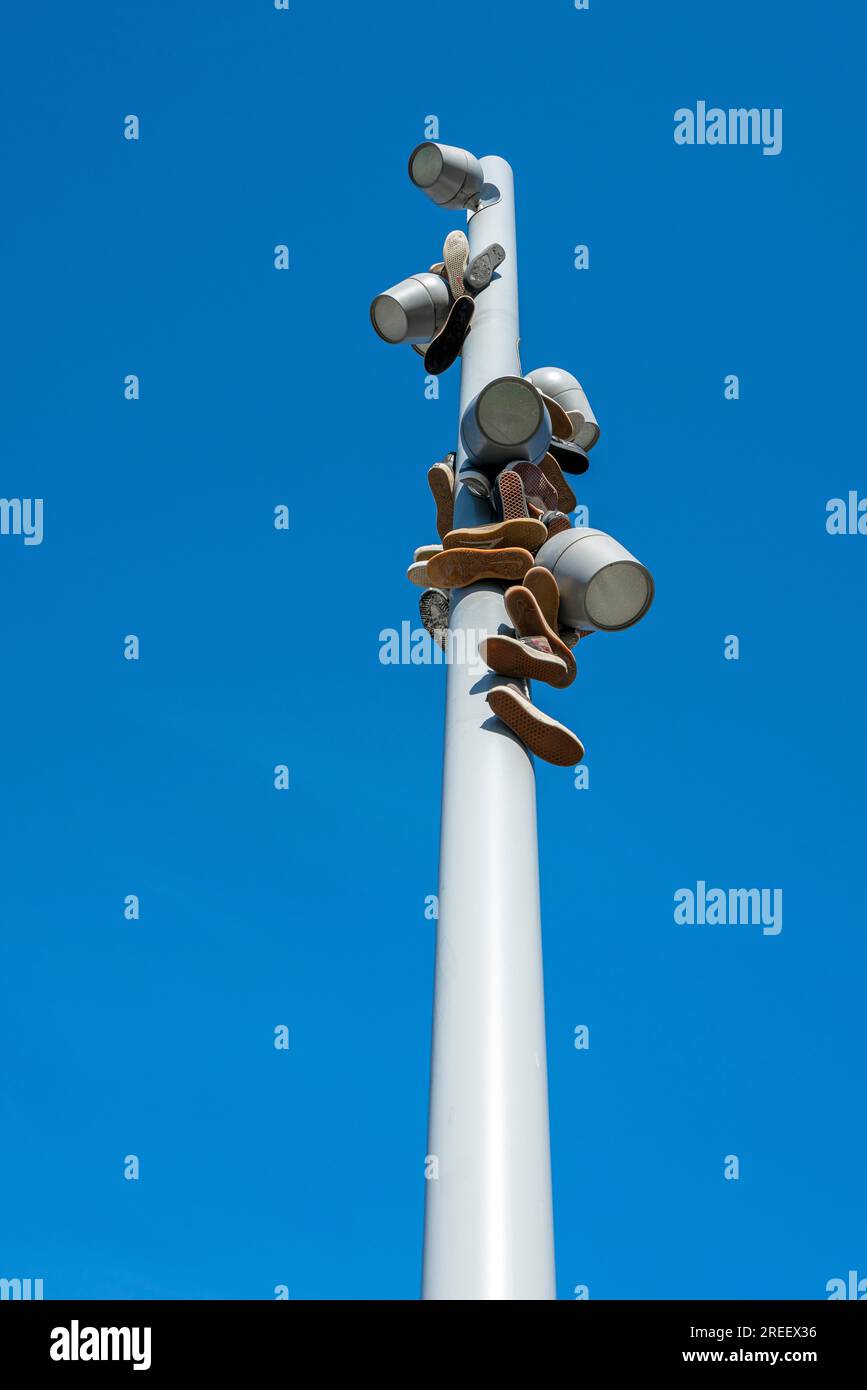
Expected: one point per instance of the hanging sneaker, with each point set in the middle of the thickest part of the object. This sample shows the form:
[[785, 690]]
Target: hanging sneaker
[[552, 742], [572, 636], [455, 253], [417, 573], [426, 552], [455, 569], [433, 607], [537, 489], [480, 271], [571, 457], [525, 531], [479, 484], [528, 620], [441, 480], [510, 499], [527, 658], [544, 588], [445, 348], [560, 423], [566, 499], [556, 522]]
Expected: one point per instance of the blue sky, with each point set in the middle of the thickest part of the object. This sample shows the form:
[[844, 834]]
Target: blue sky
[[305, 907]]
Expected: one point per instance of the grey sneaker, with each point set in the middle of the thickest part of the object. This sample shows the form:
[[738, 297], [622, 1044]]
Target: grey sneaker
[[480, 271], [478, 483]]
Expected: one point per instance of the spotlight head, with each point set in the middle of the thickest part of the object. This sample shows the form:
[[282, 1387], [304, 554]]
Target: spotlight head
[[413, 311], [602, 587], [568, 392], [452, 177], [506, 423]]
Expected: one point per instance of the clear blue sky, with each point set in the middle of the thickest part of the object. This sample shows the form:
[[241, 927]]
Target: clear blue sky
[[306, 907]]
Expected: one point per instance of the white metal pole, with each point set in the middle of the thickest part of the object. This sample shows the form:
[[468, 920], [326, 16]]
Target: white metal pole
[[489, 1230]]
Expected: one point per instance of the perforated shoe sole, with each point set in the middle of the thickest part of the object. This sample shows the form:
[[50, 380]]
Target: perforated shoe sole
[[552, 742], [455, 253]]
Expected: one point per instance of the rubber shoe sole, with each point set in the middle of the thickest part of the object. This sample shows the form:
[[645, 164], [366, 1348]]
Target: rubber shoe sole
[[441, 481], [566, 499], [480, 271], [552, 742], [455, 569], [417, 573], [445, 348], [455, 254], [525, 532], [556, 522], [433, 607], [543, 587], [426, 552], [561, 425], [528, 620], [509, 656], [537, 488], [511, 496]]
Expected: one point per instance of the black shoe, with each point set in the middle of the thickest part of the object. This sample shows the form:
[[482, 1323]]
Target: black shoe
[[571, 457], [445, 347], [480, 271]]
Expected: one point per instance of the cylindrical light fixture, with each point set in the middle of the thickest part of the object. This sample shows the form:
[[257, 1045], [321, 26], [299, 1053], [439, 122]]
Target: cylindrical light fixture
[[602, 587], [452, 177], [569, 394], [413, 311], [506, 423]]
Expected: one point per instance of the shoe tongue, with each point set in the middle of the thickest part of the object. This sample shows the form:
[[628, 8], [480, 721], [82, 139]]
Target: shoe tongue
[[539, 644]]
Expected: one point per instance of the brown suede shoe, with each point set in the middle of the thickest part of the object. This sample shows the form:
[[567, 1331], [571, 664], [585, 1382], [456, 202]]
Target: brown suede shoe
[[455, 569], [528, 620], [526, 658], [523, 531], [542, 735], [441, 480]]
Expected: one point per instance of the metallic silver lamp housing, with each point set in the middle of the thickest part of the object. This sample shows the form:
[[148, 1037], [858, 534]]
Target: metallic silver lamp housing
[[602, 587], [413, 311], [452, 177], [507, 422]]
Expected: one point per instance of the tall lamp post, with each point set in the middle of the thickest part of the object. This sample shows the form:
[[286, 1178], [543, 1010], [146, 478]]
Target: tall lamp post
[[489, 1230], [488, 1201]]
